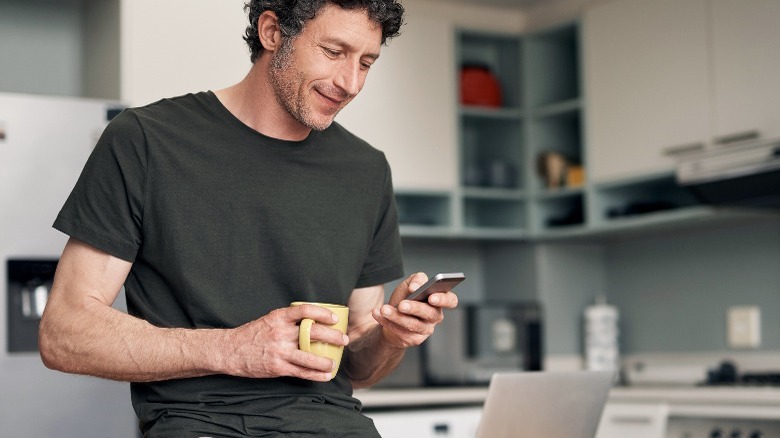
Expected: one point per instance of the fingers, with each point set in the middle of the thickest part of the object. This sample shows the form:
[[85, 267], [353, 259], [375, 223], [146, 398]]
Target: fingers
[[296, 363], [268, 346], [328, 335], [324, 318], [411, 322], [317, 313], [310, 366], [445, 300]]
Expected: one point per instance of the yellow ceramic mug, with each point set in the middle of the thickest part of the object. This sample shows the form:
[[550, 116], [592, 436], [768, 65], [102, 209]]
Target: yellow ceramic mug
[[323, 349]]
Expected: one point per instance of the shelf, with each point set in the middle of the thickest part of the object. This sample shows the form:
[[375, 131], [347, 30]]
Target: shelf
[[640, 197], [560, 212], [487, 233], [563, 192], [428, 231], [424, 210], [494, 214], [501, 55], [493, 193], [553, 65], [492, 152], [633, 180], [511, 114], [657, 218], [558, 108]]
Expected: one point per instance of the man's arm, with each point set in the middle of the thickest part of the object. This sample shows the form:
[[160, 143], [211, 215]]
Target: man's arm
[[379, 334], [81, 333]]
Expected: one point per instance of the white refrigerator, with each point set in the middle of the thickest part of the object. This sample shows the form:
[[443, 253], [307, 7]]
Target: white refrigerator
[[44, 143]]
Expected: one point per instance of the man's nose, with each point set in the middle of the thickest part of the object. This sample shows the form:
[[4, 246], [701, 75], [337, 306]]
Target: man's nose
[[350, 78]]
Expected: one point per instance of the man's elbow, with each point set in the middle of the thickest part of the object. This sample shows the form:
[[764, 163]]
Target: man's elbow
[[50, 346]]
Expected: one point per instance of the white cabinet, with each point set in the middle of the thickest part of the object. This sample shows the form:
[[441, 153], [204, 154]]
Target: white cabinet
[[428, 423], [745, 65], [635, 420], [646, 85], [180, 46], [407, 107], [665, 73]]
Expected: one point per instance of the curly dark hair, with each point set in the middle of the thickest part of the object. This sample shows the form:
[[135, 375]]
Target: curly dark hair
[[293, 15]]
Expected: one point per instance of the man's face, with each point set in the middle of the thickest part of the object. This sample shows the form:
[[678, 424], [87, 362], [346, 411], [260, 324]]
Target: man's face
[[317, 73]]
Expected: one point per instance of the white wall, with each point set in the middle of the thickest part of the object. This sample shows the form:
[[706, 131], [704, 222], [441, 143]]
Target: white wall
[[160, 57]]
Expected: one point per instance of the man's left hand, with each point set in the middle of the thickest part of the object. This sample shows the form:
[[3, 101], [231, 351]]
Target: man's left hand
[[408, 323]]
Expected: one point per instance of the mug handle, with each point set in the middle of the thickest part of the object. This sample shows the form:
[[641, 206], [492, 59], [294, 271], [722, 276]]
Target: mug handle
[[304, 335]]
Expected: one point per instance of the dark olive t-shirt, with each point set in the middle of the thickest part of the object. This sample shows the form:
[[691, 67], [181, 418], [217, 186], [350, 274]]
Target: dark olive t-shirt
[[224, 225]]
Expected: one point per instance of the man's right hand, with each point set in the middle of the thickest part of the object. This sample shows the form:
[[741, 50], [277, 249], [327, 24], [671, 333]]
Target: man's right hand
[[268, 346]]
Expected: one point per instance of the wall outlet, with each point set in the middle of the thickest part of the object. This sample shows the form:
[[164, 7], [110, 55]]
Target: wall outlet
[[744, 326]]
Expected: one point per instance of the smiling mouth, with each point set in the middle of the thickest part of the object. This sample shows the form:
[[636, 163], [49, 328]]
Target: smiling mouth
[[336, 97], [330, 99]]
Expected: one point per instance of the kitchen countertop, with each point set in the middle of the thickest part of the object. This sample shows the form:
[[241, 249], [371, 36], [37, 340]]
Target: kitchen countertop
[[678, 397], [762, 395], [421, 397]]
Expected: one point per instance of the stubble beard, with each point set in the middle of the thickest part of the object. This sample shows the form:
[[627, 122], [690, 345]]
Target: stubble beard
[[288, 88]]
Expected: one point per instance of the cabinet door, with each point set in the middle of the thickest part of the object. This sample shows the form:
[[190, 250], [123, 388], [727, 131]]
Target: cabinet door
[[428, 423], [746, 64], [645, 83], [407, 107], [633, 420], [180, 46]]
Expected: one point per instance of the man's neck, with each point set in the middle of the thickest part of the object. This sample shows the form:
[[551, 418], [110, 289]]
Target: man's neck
[[252, 101]]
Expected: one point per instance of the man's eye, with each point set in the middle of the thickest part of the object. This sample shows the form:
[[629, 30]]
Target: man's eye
[[331, 52], [365, 65]]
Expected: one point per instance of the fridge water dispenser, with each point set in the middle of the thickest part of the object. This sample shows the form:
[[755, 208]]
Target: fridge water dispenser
[[28, 285]]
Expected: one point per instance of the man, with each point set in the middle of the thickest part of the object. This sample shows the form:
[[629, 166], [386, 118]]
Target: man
[[216, 210]]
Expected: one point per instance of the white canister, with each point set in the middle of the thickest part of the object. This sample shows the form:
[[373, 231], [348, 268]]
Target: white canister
[[601, 337]]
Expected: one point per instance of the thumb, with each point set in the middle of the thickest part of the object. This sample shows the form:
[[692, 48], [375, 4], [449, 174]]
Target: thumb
[[409, 285]]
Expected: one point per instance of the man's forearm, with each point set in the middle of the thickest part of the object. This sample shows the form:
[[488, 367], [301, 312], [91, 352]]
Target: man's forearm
[[371, 358], [104, 342]]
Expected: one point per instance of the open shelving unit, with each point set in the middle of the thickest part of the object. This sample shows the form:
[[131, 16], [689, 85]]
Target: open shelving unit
[[502, 192]]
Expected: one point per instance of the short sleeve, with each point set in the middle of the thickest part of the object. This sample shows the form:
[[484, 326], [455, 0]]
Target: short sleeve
[[384, 262], [105, 208]]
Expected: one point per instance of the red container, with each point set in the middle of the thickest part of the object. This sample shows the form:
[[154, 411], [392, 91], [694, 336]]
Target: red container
[[478, 86]]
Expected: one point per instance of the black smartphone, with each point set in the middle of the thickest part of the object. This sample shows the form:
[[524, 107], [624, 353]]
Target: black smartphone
[[442, 282]]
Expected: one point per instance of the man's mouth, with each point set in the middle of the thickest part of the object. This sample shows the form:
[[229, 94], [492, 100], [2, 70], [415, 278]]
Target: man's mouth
[[334, 101], [335, 98]]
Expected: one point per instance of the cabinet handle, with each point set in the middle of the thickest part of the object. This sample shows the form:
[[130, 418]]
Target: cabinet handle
[[737, 137], [683, 149], [632, 419], [441, 429]]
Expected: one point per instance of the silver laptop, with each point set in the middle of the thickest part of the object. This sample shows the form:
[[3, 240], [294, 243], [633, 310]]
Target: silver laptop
[[545, 404]]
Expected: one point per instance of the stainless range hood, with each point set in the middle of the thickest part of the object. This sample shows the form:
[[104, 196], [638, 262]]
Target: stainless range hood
[[746, 174]]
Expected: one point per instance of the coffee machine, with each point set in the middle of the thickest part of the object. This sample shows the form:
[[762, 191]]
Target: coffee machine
[[477, 340]]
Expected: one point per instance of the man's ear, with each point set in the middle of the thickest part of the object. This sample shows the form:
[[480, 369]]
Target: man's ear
[[268, 30]]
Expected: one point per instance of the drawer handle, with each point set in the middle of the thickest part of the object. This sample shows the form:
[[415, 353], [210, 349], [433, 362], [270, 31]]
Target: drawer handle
[[632, 419], [441, 429], [737, 137], [683, 149]]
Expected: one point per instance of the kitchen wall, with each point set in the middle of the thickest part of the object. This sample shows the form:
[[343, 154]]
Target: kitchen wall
[[673, 290], [672, 287], [26, 47]]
